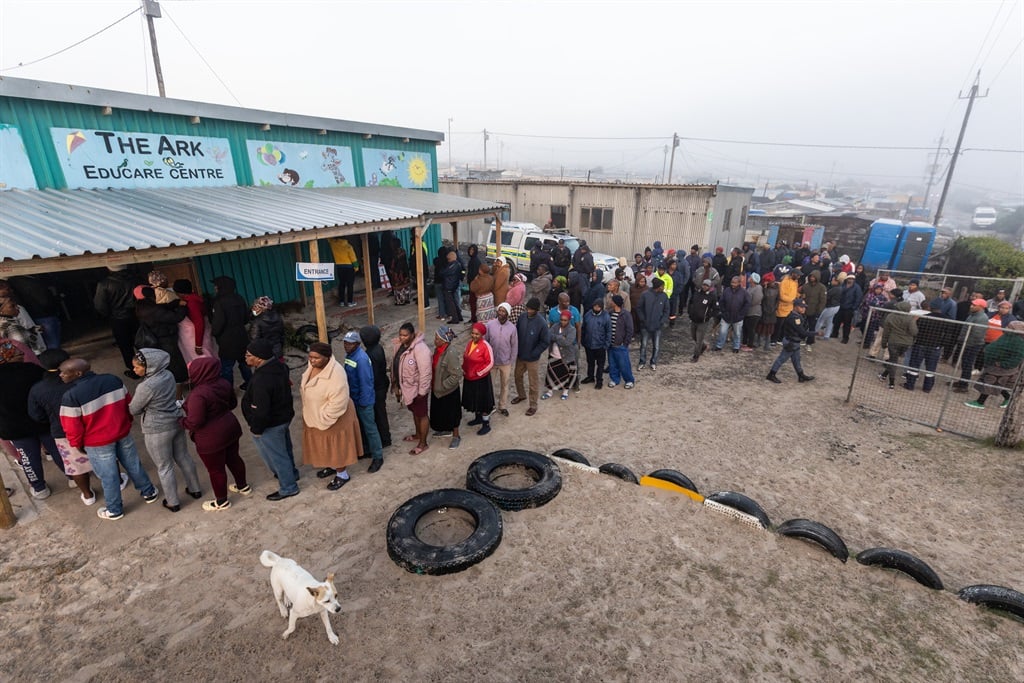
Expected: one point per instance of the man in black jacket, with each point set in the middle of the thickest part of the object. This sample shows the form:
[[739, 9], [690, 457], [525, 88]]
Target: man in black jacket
[[229, 313], [114, 301], [451, 277], [794, 331], [267, 408], [703, 307], [370, 334]]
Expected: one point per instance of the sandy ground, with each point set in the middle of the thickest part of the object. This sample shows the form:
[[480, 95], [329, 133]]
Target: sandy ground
[[609, 581]]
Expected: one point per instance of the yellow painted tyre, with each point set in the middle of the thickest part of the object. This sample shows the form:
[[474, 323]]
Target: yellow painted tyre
[[669, 486]]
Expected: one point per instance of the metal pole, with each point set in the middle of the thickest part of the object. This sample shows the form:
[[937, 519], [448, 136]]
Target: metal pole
[[485, 149], [664, 164], [956, 151], [931, 177], [856, 363], [675, 143], [449, 144], [152, 9]]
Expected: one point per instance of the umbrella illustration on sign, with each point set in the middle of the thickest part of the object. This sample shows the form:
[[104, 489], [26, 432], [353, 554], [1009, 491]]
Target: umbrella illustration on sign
[[269, 155], [75, 140]]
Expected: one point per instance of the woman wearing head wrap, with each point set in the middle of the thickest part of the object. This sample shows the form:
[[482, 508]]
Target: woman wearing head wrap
[[1003, 360], [330, 427], [445, 398], [501, 281], [482, 288], [159, 282], [477, 391], [562, 354], [267, 324], [517, 297]]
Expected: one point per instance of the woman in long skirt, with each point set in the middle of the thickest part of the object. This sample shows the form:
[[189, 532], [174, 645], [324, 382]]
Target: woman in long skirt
[[561, 373], [445, 403], [330, 427], [477, 391]]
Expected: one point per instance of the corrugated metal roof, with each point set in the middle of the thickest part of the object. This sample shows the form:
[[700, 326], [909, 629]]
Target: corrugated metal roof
[[80, 94], [52, 223]]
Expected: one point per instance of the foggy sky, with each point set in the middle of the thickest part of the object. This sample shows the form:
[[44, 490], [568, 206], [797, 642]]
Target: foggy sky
[[851, 73]]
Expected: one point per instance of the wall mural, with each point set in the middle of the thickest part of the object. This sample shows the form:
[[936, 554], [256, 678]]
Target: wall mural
[[101, 159], [15, 168], [299, 164], [393, 168]]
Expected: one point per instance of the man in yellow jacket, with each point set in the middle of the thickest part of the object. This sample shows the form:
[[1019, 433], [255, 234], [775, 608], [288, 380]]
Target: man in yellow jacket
[[788, 289], [346, 265]]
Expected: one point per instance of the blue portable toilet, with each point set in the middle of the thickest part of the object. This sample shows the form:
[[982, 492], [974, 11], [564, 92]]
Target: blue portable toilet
[[915, 246], [883, 239]]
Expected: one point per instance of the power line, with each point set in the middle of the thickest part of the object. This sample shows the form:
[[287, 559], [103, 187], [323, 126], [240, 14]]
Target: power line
[[215, 74], [73, 45], [998, 36], [1007, 62], [970, 70]]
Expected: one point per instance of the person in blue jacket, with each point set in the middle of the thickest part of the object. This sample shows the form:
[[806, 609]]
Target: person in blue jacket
[[361, 390]]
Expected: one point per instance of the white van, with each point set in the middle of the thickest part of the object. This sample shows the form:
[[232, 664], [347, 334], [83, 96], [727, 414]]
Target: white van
[[517, 239], [984, 216]]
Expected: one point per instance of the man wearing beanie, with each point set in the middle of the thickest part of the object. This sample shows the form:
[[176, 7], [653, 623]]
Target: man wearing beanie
[[267, 408], [618, 351], [533, 341]]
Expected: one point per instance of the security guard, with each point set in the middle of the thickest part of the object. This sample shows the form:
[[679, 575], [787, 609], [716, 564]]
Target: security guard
[[794, 330]]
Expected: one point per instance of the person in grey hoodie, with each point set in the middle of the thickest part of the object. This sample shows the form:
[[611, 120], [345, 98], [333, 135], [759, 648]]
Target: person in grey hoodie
[[163, 435]]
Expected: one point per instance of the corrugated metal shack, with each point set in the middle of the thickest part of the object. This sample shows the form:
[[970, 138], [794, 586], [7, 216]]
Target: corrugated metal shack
[[621, 218], [849, 232]]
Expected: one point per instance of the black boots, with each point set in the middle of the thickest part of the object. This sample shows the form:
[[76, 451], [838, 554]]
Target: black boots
[[805, 378], [773, 379]]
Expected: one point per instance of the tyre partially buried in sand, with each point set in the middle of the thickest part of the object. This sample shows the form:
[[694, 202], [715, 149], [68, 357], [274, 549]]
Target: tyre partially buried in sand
[[515, 479], [443, 531]]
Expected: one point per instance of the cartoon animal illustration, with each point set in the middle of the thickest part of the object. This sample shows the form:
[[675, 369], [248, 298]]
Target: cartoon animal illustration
[[303, 154], [124, 164], [219, 153], [388, 165], [332, 164], [172, 162], [289, 177], [373, 180]]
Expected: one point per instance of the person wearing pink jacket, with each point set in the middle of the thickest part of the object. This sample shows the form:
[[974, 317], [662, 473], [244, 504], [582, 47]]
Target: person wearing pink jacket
[[411, 372]]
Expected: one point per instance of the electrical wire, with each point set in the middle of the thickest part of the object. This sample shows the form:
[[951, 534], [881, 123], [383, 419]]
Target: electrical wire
[[970, 70], [998, 36], [208, 66], [73, 45], [1007, 62]]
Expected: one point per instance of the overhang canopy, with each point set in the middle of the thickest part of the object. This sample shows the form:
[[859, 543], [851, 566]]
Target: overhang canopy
[[49, 230]]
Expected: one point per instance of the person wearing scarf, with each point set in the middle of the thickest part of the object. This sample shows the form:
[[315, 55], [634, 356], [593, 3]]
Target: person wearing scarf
[[477, 390]]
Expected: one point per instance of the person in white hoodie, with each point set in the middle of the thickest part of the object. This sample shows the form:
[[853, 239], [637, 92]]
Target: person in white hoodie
[[164, 437]]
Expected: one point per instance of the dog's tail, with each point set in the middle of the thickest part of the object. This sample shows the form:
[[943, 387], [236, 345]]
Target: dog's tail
[[268, 559]]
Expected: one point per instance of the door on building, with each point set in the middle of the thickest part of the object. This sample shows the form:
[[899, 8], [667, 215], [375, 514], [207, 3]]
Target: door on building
[[180, 270], [558, 212]]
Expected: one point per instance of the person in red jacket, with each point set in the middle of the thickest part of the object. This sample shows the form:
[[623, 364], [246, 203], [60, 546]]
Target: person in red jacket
[[95, 417], [477, 391], [215, 430]]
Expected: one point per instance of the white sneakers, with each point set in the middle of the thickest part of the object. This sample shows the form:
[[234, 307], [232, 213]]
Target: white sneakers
[[88, 501], [41, 495]]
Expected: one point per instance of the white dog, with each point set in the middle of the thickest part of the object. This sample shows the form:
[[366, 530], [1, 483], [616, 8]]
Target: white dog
[[298, 594]]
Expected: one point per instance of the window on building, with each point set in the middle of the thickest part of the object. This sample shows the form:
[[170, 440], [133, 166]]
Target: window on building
[[727, 221], [596, 218], [743, 216], [558, 215]]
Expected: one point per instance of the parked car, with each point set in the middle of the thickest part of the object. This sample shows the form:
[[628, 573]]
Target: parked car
[[517, 239]]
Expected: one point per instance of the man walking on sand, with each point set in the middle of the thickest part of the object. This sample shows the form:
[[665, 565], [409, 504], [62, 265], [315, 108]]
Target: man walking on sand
[[794, 331], [95, 417], [268, 409]]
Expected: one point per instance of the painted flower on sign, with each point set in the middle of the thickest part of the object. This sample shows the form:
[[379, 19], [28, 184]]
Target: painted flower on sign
[[269, 155]]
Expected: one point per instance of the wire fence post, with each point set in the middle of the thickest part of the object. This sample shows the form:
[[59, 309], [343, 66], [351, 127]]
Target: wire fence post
[[856, 363]]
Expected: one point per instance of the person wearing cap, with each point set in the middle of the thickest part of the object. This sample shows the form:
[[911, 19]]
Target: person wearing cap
[[993, 303], [445, 412], [972, 340], [477, 390], [794, 331], [411, 374], [618, 350], [945, 303], [228, 317], [534, 338], [933, 332], [267, 324], [653, 315], [267, 409], [1003, 361], [753, 317], [330, 428], [95, 417], [914, 296], [597, 336], [998, 321], [583, 260], [503, 337], [362, 389], [561, 258], [703, 308]]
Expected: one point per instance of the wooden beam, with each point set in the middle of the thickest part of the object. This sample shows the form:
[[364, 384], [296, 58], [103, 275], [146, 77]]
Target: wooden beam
[[7, 516], [421, 314], [303, 299], [368, 277], [455, 234], [318, 294]]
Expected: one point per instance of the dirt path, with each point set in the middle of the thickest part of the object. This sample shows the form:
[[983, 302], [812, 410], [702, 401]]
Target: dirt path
[[609, 581]]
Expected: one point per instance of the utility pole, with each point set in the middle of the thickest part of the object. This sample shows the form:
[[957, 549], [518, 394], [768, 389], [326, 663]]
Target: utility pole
[[675, 143], [152, 9], [486, 138], [664, 164], [959, 141], [450, 170], [931, 175]]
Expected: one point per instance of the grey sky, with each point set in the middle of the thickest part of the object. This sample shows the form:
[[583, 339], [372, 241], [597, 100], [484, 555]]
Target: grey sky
[[854, 73]]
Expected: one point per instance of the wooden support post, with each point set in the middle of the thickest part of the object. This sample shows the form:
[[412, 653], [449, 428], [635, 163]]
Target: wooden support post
[[368, 277], [7, 518], [421, 314], [318, 294], [302, 285], [455, 234]]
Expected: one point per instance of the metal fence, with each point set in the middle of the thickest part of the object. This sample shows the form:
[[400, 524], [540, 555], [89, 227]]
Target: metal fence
[[942, 406], [962, 285]]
